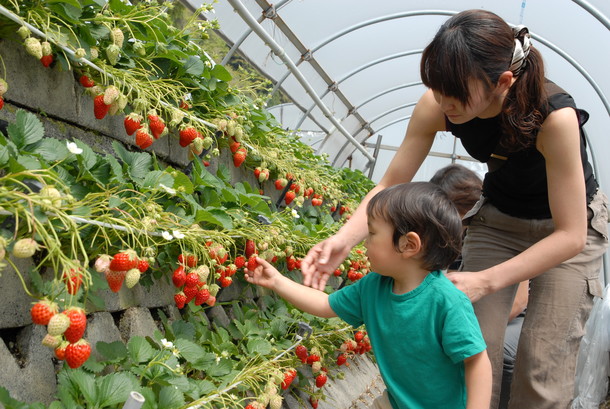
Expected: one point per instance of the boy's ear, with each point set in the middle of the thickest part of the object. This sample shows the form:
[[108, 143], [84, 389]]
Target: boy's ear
[[410, 244]]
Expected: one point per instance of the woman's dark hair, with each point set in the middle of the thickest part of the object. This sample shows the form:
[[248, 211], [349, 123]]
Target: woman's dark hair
[[462, 186], [478, 45], [423, 208]]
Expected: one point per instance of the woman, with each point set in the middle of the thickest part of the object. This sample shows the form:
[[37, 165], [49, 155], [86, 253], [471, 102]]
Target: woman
[[542, 217]]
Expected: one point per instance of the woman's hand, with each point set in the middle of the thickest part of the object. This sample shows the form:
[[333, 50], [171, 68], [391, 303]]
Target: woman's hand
[[322, 260], [474, 284]]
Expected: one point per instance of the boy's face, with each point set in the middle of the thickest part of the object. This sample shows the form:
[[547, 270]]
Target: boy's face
[[379, 247]]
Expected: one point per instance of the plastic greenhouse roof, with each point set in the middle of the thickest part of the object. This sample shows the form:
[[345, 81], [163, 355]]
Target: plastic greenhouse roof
[[351, 68]]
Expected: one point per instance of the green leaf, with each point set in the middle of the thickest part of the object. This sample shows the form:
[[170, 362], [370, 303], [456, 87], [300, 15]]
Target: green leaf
[[220, 368], [73, 3], [87, 158], [117, 169], [52, 150], [29, 162], [140, 165], [4, 155], [183, 329], [85, 384], [139, 349], [157, 177], [194, 66], [184, 182], [115, 388], [111, 351], [221, 73], [215, 216], [26, 130], [170, 397], [99, 31], [259, 346], [190, 350]]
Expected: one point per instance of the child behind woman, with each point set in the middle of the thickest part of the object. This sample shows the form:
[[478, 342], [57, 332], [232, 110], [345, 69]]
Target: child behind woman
[[426, 338]]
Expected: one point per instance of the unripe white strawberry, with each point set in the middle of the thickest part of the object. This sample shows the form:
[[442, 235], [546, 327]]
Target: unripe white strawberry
[[138, 47], [275, 402], [239, 134], [203, 272], [95, 53], [111, 94], [102, 263], [117, 37], [132, 277], [33, 47], [25, 248], [3, 87], [207, 142], [51, 341], [271, 389], [58, 324], [214, 288], [80, 53], [316, 367], [113, 52], [46, 48], [24, 32], [51, 195], [231, 127], [197, 146]]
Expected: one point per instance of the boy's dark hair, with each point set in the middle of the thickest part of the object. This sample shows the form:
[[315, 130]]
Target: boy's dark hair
[[423, 208], [462, 186]]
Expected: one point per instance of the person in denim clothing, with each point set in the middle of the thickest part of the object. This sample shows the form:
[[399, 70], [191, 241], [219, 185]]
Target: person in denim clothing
[[542, 217]]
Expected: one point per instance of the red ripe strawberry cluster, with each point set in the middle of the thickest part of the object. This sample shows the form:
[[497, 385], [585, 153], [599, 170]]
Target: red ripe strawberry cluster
[[296, 190], [343, 210], [356, 269], [65, 331], [192, 280], [3, 89], [359, 345], [125, 267], [312, 358]]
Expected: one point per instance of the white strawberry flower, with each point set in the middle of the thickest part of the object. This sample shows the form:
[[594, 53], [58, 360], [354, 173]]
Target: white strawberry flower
[[167, 344], [295, 214], [73, 148], [166, 235], [178, 234]]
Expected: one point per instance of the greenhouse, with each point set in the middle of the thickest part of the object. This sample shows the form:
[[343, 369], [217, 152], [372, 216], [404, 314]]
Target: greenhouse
[[174, 175]]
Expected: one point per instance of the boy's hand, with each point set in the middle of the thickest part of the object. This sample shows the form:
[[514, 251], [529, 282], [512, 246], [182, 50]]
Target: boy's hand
[[264, 274]]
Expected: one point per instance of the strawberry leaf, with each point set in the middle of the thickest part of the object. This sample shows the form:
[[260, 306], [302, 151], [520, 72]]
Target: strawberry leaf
[[170, 397], [26, 130], [115, 388], [113, 351], [194, 66], [259, 346], [139, 349]]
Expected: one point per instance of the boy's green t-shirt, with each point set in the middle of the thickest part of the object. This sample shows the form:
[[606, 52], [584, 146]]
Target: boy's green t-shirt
[[420, 339]]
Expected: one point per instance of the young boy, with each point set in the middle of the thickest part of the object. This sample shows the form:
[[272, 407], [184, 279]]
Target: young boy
[[425, 336]]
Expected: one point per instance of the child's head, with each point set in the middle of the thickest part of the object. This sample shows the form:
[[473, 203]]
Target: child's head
[[462, 186], [422, 208]]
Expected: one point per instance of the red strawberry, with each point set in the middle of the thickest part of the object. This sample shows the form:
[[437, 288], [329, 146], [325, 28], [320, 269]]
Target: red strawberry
[[314, 402], [239, 261], [290, 195], [280, 183], [301, 352], [42, 312], [358, 336], [250, 248], [156, 125], [231, 270], [233, 146], [188, 135], [78, 324], [180, 300], [337, 272], [132, 123], [288, 378], [73, 279], [47, 60], [179, 276], [124, 261], [291, 263], [143, 265], [321, 380], [341, 359], [192, 279], [190, 260], [77, 353], [313, 358], [202, 296], [115, 279], [190, 293], [86, 82], [100, 109], [143, 138], [211, 301], [252, 263], [1, 102], [239, 157], [225, 281], [60, 351]]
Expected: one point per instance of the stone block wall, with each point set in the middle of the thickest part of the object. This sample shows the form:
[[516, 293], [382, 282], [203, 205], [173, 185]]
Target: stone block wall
[[28, 369]]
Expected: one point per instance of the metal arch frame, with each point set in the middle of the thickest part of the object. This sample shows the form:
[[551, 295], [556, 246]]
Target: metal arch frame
[[265, 37], [388, 91], [359, 70]]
